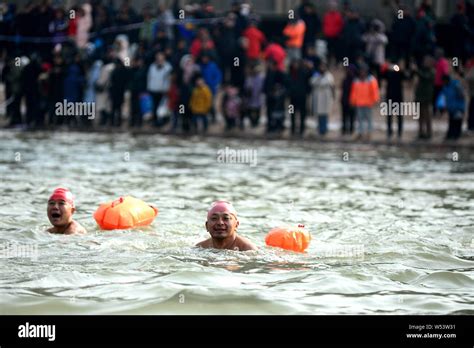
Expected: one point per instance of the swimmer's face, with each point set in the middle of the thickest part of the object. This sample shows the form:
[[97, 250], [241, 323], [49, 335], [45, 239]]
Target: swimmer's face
[[222, 225], [60, 212]]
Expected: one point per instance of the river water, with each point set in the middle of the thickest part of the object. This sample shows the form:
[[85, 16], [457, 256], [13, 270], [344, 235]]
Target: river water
[[392, 229]]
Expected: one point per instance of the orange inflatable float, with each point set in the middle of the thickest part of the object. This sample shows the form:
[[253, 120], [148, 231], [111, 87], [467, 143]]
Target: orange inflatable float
[[295, 239], [123, 213]]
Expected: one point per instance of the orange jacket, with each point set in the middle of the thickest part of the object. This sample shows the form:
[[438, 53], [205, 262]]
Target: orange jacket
[[364, 92], [295, 33]]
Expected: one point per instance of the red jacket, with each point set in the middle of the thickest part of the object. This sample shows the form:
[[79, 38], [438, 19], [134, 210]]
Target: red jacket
[[333, 23], [277, 53], [173, 97], [72, 28], [255, 40], [197, 47]]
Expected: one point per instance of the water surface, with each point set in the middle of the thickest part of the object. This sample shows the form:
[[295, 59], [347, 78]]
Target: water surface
[[392, 229]]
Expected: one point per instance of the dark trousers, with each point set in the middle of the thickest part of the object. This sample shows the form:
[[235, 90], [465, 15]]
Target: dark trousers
[[348, 117], [454, 126], [135, 118], [203, 119], [277, 124], [253, 114], [230, 123], [177, 117], [389, 125], [156, 101], [300, 107], [275, 119], [470, 120], [322, 124], [425, 121], [333, 48], [116, 116], [32, 109], [15, 111], [186, 119]]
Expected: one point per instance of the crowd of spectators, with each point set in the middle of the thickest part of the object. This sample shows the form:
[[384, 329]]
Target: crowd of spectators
[[181, 66]]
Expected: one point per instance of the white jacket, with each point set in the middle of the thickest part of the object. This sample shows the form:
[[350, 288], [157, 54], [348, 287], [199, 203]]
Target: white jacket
[[322, 95], [158, 79]]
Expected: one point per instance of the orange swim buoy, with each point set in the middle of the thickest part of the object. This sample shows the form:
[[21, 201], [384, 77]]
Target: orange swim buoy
[[295, 239], [123, 213]]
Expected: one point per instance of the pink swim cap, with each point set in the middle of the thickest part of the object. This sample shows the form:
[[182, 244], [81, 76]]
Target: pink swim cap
[[221, 207], [64, 194]]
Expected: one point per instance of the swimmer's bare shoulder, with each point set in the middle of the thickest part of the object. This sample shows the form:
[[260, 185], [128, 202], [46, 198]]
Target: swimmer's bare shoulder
[[240, 244], [74, 228], [205, 243], [77, 228], [243, 244]]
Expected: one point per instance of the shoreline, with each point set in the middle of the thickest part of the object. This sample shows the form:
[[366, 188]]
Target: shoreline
[[466, 142]]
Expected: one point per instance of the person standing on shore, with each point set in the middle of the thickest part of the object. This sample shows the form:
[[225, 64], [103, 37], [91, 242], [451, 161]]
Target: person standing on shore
[[200, 104], [253, 95], [441, 69], [158, 81], [276, 90], [424, 94], [364, 95], [299, 75], [348, 111], [470, 82], [323, 96], [455, 105]]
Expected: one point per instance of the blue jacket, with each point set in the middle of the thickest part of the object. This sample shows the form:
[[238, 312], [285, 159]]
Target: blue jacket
[[454, 95], [212, 75], [73, 84]]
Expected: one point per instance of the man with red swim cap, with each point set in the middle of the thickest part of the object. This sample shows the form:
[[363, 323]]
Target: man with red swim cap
[[222, 223], [60, 209]]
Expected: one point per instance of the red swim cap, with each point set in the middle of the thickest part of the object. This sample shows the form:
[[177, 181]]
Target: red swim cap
[[221, 206], [64, 194]]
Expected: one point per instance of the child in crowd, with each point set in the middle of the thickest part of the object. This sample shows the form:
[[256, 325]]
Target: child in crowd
[[253, 92], [200, 104], [231, 107]]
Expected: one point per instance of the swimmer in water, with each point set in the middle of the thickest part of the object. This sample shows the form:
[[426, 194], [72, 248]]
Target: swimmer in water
[[222, 223], [60, 210]]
